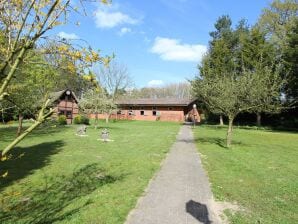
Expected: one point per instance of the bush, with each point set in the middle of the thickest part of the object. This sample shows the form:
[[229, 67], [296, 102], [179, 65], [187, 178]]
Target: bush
[[80, 119], [62, 120], [85, 120], [77, 119]]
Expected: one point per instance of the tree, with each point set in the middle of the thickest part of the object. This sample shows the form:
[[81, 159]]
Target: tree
[[237, 74], [256, 51], [232, 94], [290, 58], [35, 80], [224, 57], [95, 102], [115, 79], [22, 25], [180, 90], [279, 22], [278, 19]]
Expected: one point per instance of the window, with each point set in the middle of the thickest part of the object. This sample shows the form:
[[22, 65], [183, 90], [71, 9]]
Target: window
[[170, 108], [68, 114], [119, 112], [142, 112], [154, 112], [61, 112]]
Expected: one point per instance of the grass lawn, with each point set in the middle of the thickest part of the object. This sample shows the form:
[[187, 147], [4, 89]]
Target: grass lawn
[[58, 177], [260, 172]]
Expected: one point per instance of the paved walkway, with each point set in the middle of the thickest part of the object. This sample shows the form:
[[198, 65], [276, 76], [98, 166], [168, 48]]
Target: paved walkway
[[180, 193]]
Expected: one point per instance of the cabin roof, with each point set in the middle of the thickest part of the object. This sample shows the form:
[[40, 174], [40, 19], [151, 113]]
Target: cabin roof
[[55, 96]]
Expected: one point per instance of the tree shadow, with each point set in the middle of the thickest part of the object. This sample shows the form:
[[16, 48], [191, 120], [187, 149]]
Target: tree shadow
[[24, 160], [217, 141], [198, 211], [212, 140], [57, 200], [9, 133]]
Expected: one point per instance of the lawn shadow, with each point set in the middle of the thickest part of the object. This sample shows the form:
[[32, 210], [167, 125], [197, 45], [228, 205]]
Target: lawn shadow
[[198, 211], [101, 127], [57, 199], [212, 140], [24, 160], [221, 142], [8, 133]]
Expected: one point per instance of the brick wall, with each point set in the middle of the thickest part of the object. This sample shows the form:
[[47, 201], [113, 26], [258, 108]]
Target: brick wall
[[146, 113]]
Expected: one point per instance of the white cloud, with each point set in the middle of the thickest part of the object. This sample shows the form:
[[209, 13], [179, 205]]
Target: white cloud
[[154, 83], [69, 36], [124, 30], [110, 16], [173, 50]]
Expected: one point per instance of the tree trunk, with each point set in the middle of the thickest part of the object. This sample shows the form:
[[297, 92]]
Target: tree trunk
[[26, 132], [41, 117], [229, 133], [221, 123], [107, 117], [96, 120], [19, 131], [259, 117], [3, 116]]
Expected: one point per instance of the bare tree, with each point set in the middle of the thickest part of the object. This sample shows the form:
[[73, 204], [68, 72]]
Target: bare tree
[[115, 79], [97, 102], [180, 90]]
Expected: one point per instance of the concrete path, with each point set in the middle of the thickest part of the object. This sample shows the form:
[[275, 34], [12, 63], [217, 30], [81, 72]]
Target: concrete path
[[180, 192]]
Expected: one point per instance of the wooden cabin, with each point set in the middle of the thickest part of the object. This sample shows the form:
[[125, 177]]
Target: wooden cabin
[[65, 103]]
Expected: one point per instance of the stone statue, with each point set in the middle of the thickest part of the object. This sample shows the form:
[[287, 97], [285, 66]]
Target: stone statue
[[105, 135], [82, 130]]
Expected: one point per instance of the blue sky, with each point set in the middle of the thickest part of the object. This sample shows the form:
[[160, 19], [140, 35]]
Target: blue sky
[[160, 41]]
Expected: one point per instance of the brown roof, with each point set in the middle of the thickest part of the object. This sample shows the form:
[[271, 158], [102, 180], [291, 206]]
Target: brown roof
[[56, 95], [156, 102]]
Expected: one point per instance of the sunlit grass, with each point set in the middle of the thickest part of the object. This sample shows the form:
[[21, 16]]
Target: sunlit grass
[[56, 176], [260, 172]]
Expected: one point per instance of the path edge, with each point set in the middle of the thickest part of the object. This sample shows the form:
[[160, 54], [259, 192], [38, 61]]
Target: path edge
[[144, 193]]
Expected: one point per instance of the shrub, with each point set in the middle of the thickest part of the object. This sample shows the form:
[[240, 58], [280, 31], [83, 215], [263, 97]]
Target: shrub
[[77, 119], [85, 120], [62, 119], [80, 119]]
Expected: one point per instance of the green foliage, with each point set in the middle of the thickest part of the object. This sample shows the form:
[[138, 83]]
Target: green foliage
[[81, 119], [62, 120], [290, 57], [238, 73], [277, 20], [77, 119]]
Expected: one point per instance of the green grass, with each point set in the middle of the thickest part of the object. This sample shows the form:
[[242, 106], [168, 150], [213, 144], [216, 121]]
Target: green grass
[[57, 177], [259, 172]]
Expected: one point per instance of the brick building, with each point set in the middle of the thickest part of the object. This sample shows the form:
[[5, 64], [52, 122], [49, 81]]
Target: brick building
[[157, 109]]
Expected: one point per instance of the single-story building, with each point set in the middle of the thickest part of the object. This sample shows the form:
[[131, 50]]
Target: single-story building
[[65, 103], [157, 109]]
